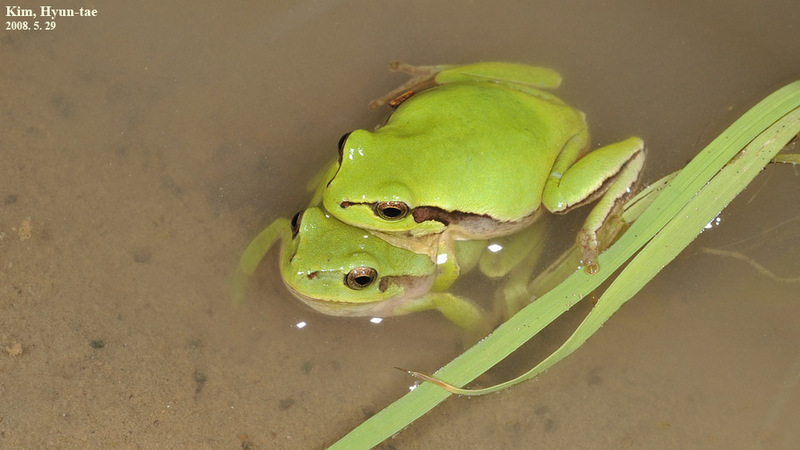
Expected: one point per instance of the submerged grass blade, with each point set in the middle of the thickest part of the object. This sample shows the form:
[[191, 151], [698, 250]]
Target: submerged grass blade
[[660, 222], [755, 265]]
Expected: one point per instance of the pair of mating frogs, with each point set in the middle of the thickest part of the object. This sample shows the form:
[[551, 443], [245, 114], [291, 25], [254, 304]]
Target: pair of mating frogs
[[471, 153]]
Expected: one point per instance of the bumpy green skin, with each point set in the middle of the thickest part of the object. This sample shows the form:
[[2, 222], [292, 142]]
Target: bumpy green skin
[[484, 144]]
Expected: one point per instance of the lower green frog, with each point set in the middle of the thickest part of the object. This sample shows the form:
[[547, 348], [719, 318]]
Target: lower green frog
[[342, 270]]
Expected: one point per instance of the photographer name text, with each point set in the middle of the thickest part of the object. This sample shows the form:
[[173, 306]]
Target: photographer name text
[[41, 18]]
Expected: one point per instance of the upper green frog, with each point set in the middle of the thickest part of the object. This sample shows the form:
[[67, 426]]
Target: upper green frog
[[480, 154]]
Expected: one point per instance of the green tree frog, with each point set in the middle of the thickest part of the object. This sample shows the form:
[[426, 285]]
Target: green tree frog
[[480, 154], [341, 270]]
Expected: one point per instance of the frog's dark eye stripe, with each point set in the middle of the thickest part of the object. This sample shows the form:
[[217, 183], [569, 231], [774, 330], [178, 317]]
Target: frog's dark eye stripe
[[341, 145], [391, 210], [360, 277], [342, 140], [296, 223]]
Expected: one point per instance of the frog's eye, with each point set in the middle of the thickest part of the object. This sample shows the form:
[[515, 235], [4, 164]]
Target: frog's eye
[[360, 277], [391, 210], [296, 223]]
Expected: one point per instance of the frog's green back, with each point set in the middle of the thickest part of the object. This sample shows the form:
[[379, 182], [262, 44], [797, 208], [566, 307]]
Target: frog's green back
[[477, 147]]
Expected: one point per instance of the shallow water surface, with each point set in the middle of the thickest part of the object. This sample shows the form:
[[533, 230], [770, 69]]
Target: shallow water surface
[[141, 149]]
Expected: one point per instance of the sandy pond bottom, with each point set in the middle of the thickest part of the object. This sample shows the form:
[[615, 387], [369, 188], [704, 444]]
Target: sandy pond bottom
[[140, 153]]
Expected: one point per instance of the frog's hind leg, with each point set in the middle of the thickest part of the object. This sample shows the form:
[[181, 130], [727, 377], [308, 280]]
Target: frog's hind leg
[[511, 74], [608, 174], [522, 77], [420, 76], [611, 201]]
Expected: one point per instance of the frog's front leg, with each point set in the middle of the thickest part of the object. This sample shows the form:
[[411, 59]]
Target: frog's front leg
[[456, 309], [281, 230], [608, 173], [454, 258], [447, 264]]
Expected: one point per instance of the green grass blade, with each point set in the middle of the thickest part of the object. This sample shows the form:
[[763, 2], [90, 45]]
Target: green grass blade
[[671, 240], [676, 199]]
